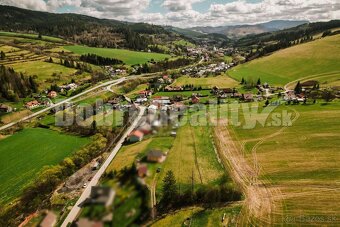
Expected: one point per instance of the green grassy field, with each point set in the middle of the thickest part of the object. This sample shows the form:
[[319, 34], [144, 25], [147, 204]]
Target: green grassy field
[[24, 154], [184, 43], [314, 58], [44, 70], [221, 81], [127, 56], [301, 163]]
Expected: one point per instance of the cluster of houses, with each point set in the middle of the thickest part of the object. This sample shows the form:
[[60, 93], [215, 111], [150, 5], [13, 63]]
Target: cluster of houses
[[199, 71], [115, 72], [68, 87], [41, 101]]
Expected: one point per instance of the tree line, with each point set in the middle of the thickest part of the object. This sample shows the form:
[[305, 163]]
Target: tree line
[[99, 60], [207, 196], [15, 85], [163, 65]]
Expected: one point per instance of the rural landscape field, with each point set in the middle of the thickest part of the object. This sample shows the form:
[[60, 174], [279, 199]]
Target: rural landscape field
[[169, 113]]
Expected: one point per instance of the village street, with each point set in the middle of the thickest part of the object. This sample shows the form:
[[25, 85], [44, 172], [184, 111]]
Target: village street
[[86, 193]]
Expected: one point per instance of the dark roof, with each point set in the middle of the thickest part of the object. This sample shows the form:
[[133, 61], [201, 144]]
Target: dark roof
[[309, 83], [155, 153]]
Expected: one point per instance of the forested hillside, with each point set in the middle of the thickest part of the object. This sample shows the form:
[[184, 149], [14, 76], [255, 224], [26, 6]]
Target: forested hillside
[[81, 29]]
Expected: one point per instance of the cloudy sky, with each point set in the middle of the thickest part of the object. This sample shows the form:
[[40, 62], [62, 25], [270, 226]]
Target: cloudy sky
[[189, 13]]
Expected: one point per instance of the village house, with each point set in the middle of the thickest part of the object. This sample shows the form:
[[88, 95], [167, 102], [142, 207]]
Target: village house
[[142, 170], [195, 99], [173, 88], [145, 128], [5, 109], [135, 136], [100, 195], [156, 156], [248, 97], [32, 104], [161, 100], [52, 94], [144, 94]]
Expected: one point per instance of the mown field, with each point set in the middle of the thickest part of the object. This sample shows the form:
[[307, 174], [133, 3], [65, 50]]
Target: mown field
[[24, 154], [305, 60], [193, 155], [299, 163], [127, 56], [221, 81]]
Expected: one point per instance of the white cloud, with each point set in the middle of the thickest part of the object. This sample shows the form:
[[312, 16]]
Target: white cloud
[[181, 12], [179, 5], [26, 4]]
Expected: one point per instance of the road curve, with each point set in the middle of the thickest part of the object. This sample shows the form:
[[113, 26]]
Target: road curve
[[112, 82], [86, 193]]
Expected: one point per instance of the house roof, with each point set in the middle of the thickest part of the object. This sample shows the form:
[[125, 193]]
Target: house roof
[[31, 103], [142, 169], [137, 133], [155, 154], [248, 96], [309, 83]]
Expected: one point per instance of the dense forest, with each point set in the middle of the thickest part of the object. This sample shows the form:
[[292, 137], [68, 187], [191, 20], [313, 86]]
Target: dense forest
[[79, 28], [99, 60], [14, 85]]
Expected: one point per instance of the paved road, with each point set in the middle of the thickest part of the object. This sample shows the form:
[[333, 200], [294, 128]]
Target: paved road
[[111, 83], [86, 193]]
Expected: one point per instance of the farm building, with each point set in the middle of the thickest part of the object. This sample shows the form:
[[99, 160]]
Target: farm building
[[156, 156], [135, 136]]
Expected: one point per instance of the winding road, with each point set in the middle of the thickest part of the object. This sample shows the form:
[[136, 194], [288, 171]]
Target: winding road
[[108, 83]]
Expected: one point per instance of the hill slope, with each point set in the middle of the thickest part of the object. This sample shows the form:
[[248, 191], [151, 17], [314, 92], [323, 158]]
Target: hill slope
[[243, 30], [80, 28], [318, 57]]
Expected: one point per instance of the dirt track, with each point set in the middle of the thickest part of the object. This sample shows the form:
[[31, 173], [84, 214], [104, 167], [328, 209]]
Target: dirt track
[[262, 200]]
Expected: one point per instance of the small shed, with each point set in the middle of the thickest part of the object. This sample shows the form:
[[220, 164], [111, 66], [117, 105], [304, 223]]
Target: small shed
[[156, 156]]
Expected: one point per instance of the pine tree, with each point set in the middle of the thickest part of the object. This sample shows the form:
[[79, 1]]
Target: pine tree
[[169, 189], [2, 55], [259, 81]]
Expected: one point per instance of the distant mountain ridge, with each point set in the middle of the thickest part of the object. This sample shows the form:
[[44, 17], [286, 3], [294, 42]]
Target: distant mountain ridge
[[237, 31]]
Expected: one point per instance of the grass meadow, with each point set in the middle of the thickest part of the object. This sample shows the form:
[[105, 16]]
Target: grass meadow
[[127, 56], [221, 81], [305, 60], [24, 154], [193, 155], [301, 162]]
